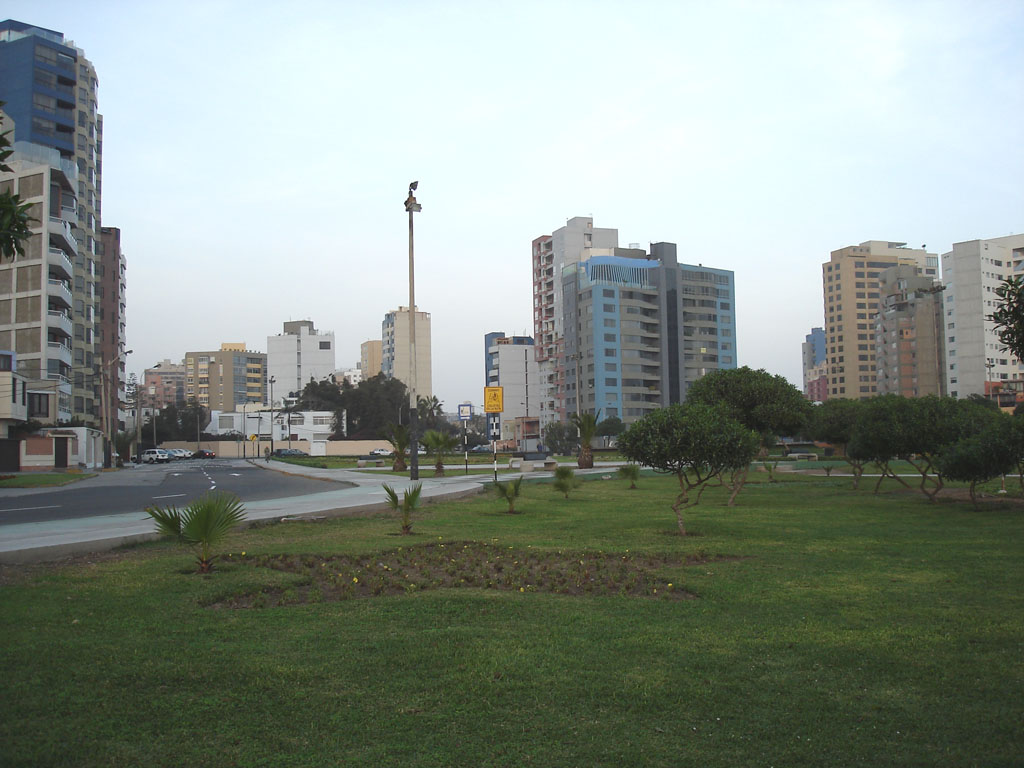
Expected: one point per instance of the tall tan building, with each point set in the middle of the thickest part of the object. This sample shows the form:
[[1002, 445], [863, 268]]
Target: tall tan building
[[227, 378], [395, 360], [909, 354], [370, 360], [851, 292]]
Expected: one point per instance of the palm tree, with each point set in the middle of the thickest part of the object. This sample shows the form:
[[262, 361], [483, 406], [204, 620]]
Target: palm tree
[[398, 436], [586, 424], [410, 499], [509, 492], [202, 524], [630, 472], [439, 445], [565, 480]]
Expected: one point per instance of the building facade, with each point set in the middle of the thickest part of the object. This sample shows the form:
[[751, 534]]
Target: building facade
[[51, 90], [110, 327], [976, 362], [370, 358], [512, 365], [226, 379], [851, 294], [909, 354], [298, 355], [640, 328], [164, 384], [395, 351], [815, 368]]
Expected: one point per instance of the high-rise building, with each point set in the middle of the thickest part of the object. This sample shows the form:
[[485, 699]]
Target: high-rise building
[[976, 362], [50, 89], [110, 325], [812, 353], [909, 355], [226, 379], [395, 350], [640, 328], [36, 297], [851, 293], [370, 361], [578, 240], [298, 356], [164, 384], [512, 365]]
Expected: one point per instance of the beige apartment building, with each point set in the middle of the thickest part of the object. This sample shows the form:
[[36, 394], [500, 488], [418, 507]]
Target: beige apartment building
[[370, 359], [395, 359], [909, 356], [225, 379], [851, 290]]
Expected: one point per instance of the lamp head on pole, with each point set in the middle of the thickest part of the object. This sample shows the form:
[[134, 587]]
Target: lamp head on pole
[[410, 202]]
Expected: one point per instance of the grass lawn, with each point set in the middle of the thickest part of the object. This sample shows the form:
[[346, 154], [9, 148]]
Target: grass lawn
[[807, 626], [42, 480]]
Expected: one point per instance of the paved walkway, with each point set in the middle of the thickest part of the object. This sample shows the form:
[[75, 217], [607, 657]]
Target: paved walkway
[[362, 492]]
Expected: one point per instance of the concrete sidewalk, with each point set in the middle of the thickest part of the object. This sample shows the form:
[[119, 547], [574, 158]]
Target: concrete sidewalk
[[363, 492]]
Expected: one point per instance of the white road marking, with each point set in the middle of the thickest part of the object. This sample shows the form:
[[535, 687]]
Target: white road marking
[[234, 474], [172, 496], [26, 509]]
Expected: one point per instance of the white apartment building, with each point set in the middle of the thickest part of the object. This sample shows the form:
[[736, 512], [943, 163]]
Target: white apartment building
[[971, 273], [512, 365], [395, 350], [298, 355]]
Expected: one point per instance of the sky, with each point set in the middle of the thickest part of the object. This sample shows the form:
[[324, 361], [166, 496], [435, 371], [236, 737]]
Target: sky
[[257, 155]]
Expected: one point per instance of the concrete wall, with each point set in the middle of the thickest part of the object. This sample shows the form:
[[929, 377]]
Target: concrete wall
[[254, 448]]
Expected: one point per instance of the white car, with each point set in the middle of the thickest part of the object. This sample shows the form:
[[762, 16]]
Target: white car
[[380, 452], [155, 456]]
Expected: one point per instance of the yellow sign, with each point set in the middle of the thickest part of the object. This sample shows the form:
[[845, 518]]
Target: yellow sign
[[252, 437], [494, 399]]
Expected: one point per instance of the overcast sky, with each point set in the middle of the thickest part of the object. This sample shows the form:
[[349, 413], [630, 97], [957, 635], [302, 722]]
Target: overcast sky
[[256, 155]]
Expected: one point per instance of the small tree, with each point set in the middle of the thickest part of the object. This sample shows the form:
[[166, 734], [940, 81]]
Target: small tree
[[565, 480], [767, 404], [560, 439], [1009, 316], [693, 441], [405, 507], [509, 492], [202, 524], [439, 445], [630, 472], [586, 425], [980, 458], [398, 436], [833, 422]]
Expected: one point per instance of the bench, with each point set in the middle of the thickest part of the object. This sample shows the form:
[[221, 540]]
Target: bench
[[360, 463]]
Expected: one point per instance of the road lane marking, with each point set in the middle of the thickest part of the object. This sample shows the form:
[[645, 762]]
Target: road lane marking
[[172, 496], [27, 509]]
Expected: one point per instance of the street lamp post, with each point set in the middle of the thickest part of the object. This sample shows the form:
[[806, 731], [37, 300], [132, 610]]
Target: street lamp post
[[105, 419], [272, 380], [414, 464]]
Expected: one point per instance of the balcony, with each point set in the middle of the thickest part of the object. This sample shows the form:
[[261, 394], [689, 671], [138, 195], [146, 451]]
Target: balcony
[[59, 290], [60, 321], [62, 230], [59, 260], [58, 351]]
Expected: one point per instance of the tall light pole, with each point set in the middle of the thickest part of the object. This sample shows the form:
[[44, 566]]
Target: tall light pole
[[272, 380], [105, 419], [414, 456]]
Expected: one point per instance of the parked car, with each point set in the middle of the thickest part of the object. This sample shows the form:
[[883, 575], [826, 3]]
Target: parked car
[[380, 452], [481, 449], [289, 452], [202, 453], [155, 456], [179, 453]]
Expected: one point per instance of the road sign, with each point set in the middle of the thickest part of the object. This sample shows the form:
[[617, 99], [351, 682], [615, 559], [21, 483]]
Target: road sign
[[465, 411], [494, 399], [494, 426]]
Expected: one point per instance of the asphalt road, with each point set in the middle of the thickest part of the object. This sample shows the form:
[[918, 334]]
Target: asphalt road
[[132, 490]]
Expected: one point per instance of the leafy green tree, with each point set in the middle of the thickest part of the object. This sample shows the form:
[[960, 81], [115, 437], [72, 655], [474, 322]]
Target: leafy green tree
[[586, 426], [439, 445], [693, 441], [192, 420], [320, 396], [1009, 315], [981, 457], [610, 427], [833, 421], [565, 480], [560, 439], [766, 403], [203, 524], [15, 218], [509, 492], [405, 507], [373, 405], [398, 436]]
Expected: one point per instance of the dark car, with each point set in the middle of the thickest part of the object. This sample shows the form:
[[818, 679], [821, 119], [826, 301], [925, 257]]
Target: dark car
[[202, 453], [282, 452]]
